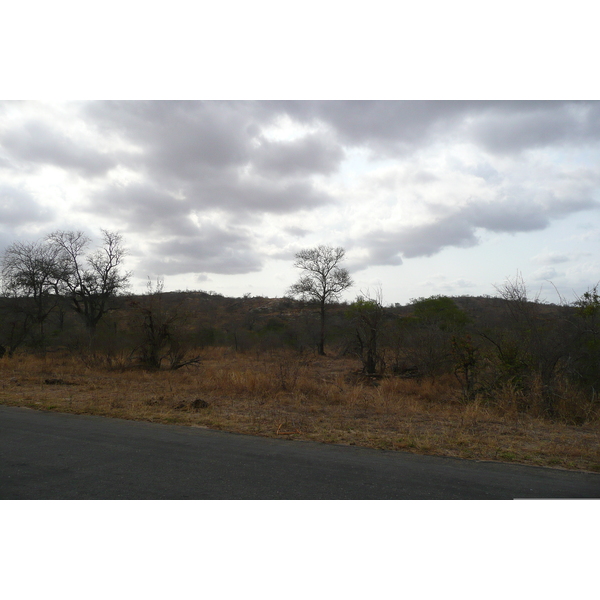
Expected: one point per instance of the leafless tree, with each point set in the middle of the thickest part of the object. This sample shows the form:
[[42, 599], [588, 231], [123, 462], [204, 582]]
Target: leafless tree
[[31, 274], [162, 332], [90, 279], [323, 280]]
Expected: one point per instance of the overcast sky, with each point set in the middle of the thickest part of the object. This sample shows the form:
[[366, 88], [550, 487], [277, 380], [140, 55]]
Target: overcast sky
[[426, 197]]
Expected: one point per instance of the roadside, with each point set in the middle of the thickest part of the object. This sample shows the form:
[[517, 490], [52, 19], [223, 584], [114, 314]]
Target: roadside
[[317, 401]]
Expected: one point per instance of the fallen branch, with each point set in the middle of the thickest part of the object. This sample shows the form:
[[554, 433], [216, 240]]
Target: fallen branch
[[279, 432]]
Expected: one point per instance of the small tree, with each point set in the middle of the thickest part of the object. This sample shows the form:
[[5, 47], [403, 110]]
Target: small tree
[[90, 280], [367, 314], [323, 280], [422, 340], [162, 336]]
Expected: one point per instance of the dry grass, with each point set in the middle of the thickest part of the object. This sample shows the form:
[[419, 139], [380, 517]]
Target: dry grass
[[303, 397]]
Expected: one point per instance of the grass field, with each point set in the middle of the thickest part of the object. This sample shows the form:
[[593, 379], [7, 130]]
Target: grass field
[[288, 395]]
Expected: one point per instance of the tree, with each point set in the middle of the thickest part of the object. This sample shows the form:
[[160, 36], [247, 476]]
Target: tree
[[533, 343], [162, 333], [90, 280], [31, 275], [440, 311], [428, 332], [586, 351], [367, 314], [323, 280]]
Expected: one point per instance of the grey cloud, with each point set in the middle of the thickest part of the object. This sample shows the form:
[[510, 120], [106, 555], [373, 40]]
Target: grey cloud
[[144, 208], [424, 177], [216, 154], [380, 123], [213, 250], [512, 127], [499, 126], [458, 227], [297, 231], [190, 141], [18, 208], [37, 143], [179, 138], [508, 216], [203, 149], [383, 248], [157, 213], [388, 248], [429, 239], [311, 154], [515, 211], [251, 194]]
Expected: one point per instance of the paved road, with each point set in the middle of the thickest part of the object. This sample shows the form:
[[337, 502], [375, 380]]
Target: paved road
[[61, 456]]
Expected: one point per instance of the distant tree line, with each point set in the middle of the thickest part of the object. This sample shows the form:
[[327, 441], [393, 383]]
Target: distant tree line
[[538, 357]]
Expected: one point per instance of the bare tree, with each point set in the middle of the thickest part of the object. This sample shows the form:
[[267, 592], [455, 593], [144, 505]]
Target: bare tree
[[90, 280], [31, 273], [163, 335], [323, 280]]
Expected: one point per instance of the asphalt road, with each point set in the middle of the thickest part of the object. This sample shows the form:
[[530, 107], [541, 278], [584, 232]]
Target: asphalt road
[[61, 456]]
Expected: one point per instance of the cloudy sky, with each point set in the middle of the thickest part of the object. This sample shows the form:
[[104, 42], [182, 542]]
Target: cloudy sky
[[427, 197]]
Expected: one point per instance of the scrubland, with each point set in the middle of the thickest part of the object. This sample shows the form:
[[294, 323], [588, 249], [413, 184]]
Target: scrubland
[[302, 396], [510, 377]]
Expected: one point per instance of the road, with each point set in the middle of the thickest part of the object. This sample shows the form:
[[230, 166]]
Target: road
[[47, 456]]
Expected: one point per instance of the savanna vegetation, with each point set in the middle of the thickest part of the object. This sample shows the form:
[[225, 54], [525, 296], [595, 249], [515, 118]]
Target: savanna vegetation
[[510, 378]]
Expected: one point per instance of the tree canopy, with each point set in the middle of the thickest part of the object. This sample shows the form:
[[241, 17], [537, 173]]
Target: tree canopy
[[323, 280]]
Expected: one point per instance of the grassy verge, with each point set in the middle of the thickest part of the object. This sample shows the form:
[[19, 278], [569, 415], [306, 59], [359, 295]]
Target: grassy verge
[[290, 396]]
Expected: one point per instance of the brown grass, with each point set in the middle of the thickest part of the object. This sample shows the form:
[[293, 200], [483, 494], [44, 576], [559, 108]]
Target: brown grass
[[287, 395]]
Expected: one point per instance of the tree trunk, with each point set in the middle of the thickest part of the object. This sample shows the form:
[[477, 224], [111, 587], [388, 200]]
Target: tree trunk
[[322, 336]]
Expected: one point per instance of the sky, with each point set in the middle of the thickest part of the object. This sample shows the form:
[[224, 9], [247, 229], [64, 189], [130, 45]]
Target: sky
[[426, 197]]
